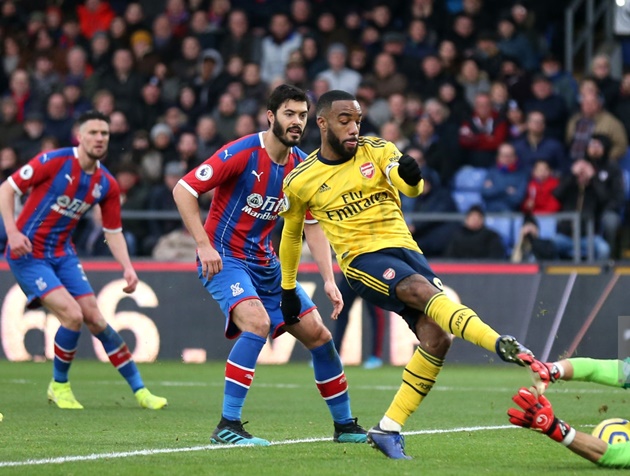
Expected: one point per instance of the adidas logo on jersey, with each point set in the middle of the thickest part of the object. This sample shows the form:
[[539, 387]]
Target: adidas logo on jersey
[[323, 188]]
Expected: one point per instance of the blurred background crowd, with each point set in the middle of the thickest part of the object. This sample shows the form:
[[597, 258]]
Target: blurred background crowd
[[474, 90]]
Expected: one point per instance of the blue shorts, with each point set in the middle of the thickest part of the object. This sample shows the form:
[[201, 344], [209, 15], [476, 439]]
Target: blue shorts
[[38, 277], [374, 277], [240, 280]]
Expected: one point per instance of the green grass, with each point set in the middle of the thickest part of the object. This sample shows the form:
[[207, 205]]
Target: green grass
[[283, 406]]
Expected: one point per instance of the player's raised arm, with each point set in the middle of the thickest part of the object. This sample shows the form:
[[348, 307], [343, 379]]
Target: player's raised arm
[[402, 170], [320, 248], [405, 175]]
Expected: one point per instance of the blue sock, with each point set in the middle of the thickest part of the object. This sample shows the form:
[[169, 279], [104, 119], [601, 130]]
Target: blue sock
[[120, 357], [331, 381], [66, 341], [239, 373]]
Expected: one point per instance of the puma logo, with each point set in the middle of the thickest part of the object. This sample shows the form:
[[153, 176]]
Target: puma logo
[[258, 175], [69, 179], [227, 154]]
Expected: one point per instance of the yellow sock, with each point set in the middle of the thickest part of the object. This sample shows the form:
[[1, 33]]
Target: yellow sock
[[418, 379], [461, 321]]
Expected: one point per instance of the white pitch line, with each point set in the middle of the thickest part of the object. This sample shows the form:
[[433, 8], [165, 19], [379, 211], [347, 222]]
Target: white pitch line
[[151, 452], [562, 388]]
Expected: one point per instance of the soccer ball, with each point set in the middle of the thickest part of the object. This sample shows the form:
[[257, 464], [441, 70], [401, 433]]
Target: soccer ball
[[613, 430]]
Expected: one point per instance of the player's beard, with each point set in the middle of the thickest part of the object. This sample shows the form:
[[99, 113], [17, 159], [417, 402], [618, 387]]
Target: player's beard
[[338, 147], [95, 157], [280, 134]]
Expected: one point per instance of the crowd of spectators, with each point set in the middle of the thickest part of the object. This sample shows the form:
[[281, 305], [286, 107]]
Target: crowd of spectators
[[460, 85]]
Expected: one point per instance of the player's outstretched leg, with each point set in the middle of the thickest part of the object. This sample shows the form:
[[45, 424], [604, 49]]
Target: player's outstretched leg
[[333, 386], [120, 357], [239, 375], [510, 350], [463, 322], [59, 391]]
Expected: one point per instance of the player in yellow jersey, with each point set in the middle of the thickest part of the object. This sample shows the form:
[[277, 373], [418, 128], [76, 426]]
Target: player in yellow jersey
[[351, 186]]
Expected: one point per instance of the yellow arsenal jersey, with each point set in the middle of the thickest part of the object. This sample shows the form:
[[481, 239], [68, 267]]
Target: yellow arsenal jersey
[[354, 201]]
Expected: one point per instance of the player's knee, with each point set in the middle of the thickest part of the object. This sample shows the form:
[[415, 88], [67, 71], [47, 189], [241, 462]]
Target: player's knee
[[415, 291], [323, 334], [435, 340], [71, 315], [444, 340], [317, 336], [94, 320], [260, 327]]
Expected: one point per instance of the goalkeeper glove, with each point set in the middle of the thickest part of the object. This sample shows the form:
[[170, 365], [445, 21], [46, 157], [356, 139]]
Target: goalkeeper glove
[[290, 305], [538, 415], [542, 374], [409, 170]]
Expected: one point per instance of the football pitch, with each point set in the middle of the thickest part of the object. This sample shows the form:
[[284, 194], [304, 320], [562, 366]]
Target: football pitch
[[461, 429]]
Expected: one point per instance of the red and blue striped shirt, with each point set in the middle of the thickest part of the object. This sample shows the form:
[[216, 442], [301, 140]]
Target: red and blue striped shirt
[[247, 198], [59, 194]]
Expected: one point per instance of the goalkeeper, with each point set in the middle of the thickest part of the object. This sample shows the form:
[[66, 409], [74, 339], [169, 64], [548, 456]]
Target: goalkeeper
[[536, 413]]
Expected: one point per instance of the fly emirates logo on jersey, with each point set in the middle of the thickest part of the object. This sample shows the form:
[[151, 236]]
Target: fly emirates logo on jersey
[[355, 203], [263, 208], [70, 207]]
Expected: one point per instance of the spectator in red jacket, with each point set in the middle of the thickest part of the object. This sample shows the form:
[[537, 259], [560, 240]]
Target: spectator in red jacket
[[539, 198], [94, 16], [482, 133]]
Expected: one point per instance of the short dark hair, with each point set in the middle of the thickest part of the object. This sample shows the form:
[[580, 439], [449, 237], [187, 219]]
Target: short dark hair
[[476, 209], [90, 115], [284, 93], [326, 99]]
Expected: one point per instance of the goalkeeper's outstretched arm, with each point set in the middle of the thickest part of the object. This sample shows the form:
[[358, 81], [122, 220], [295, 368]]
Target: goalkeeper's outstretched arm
[[599, 452], [536, 413], [588, 446], [613, 372]]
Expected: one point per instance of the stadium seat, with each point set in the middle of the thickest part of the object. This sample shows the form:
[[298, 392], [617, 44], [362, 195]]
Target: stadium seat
[[469, 179], [546, 224], [467, 185], [466, 199], [503, 226]]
